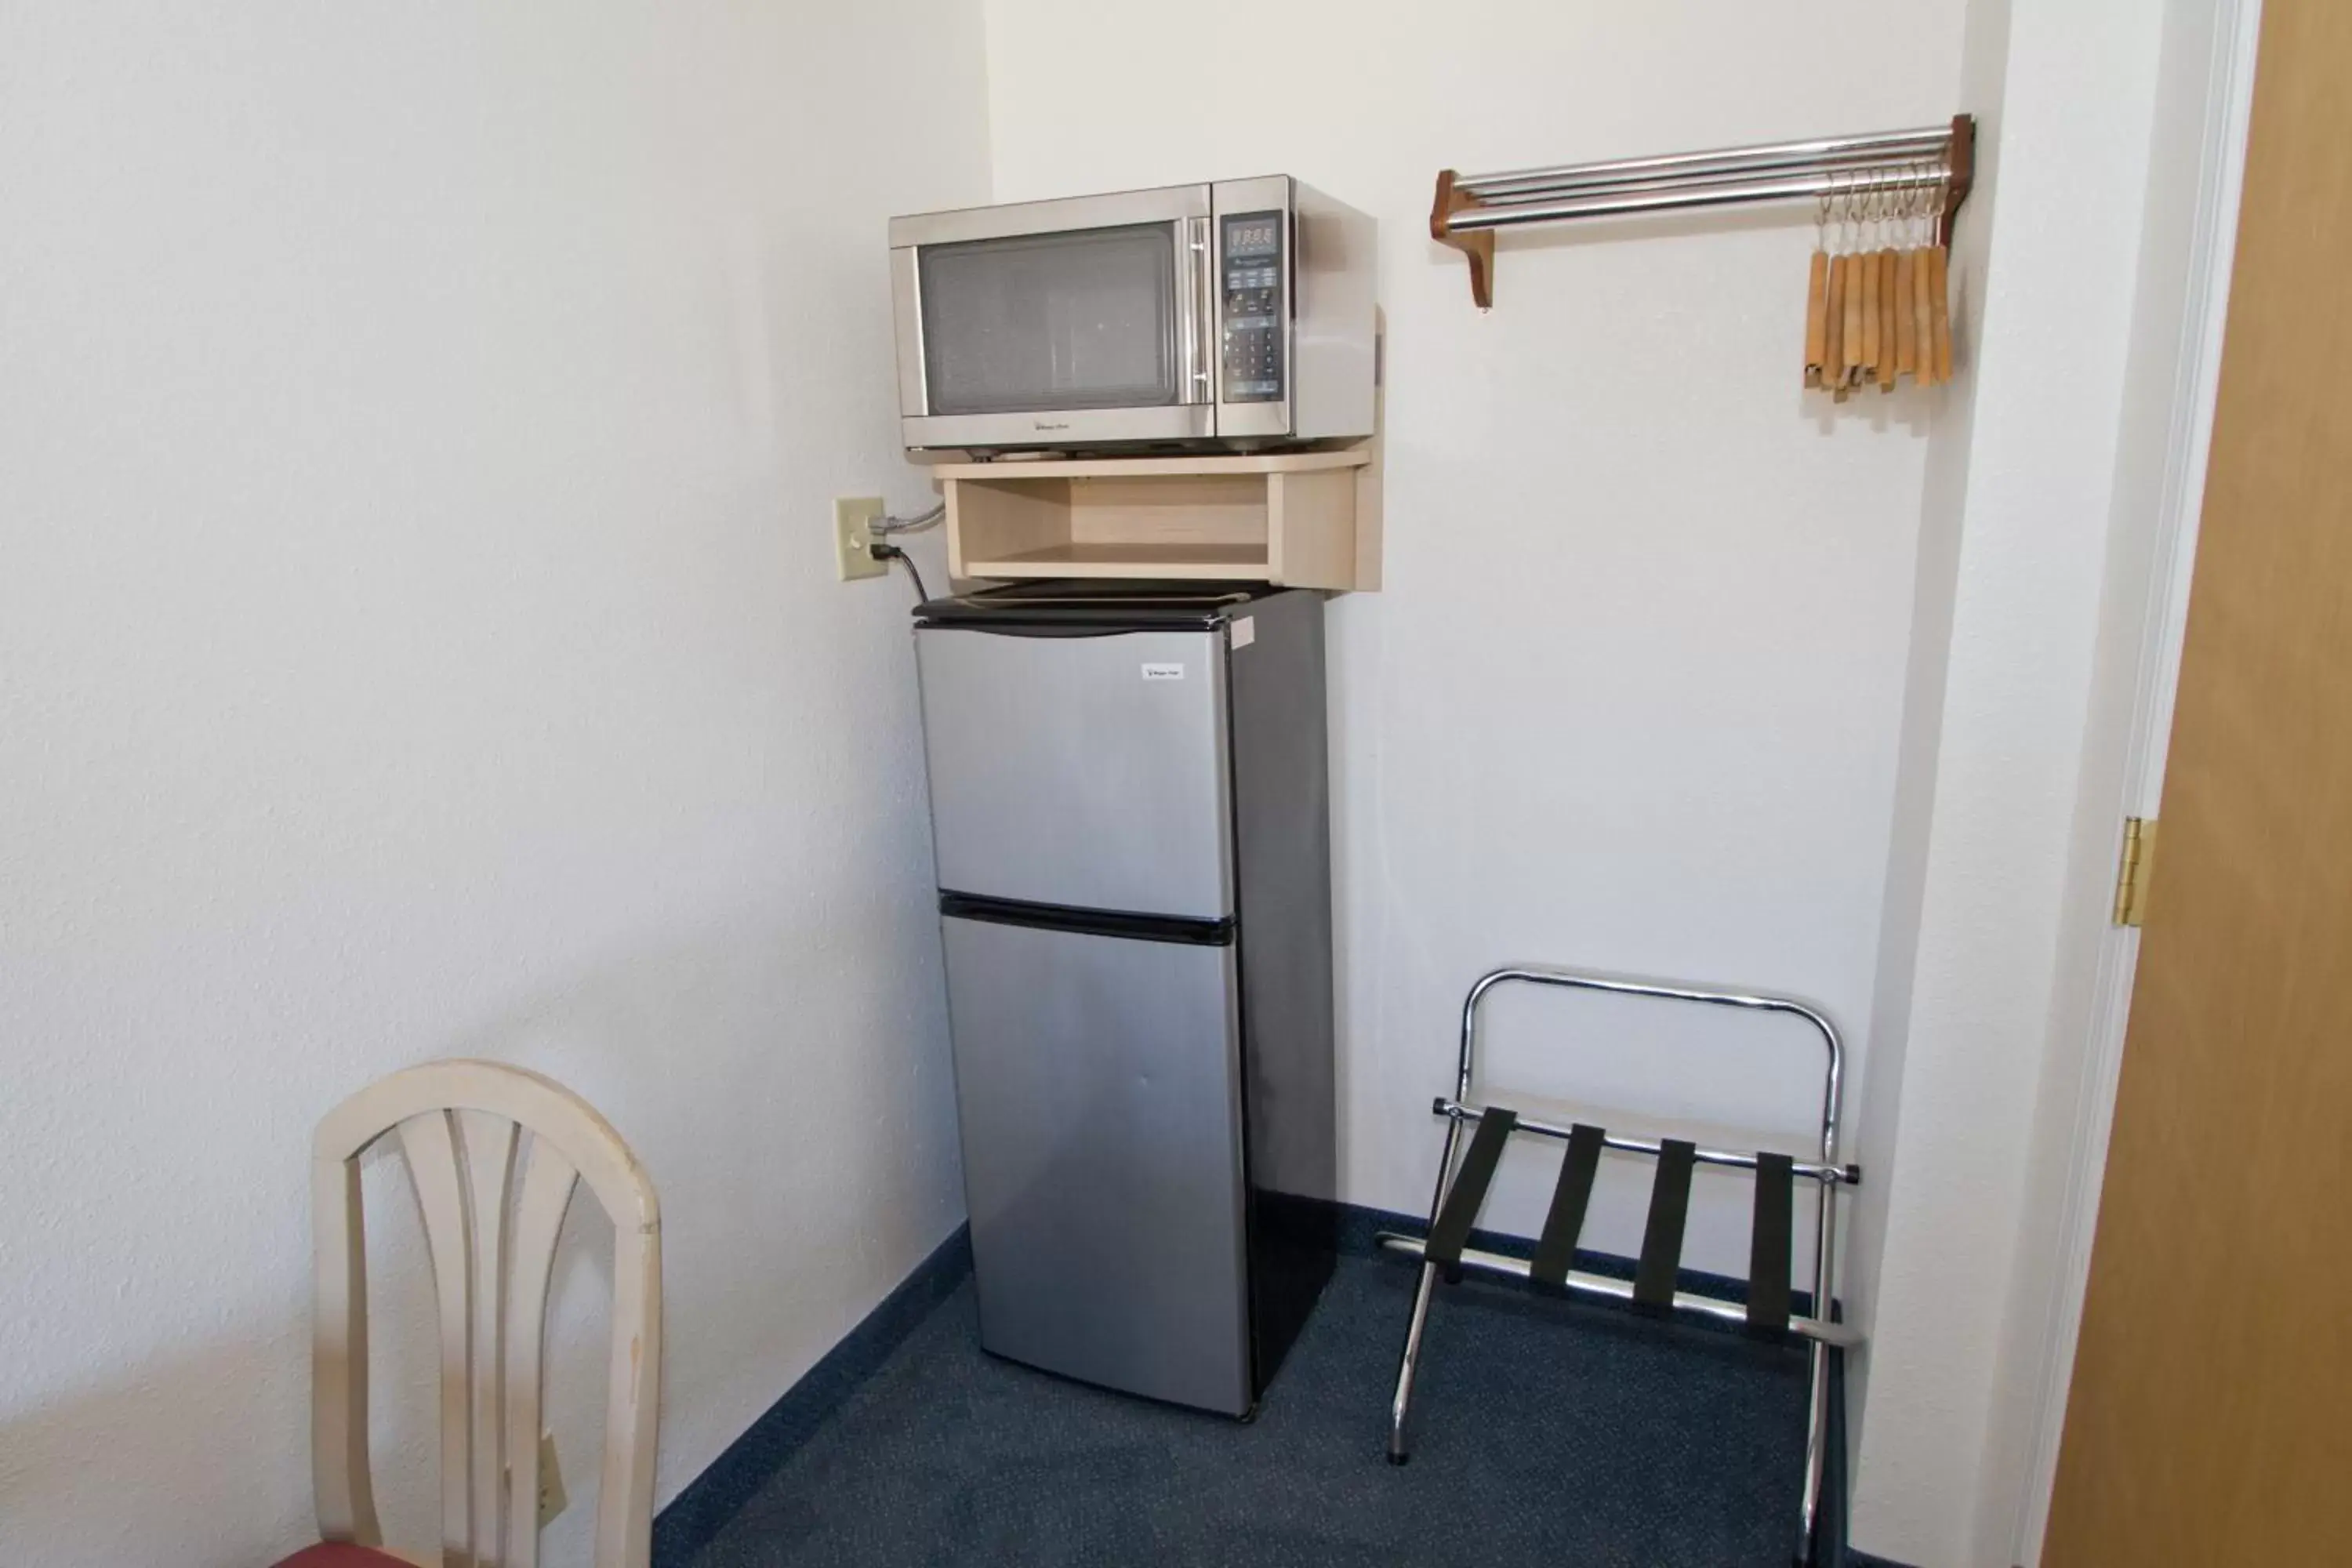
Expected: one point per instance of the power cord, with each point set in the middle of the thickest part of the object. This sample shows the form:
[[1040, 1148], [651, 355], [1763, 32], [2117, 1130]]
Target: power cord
[[881, 551], [885, 529]]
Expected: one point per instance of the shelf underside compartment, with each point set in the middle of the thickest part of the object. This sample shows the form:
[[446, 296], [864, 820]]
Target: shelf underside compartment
[[1297, 528]]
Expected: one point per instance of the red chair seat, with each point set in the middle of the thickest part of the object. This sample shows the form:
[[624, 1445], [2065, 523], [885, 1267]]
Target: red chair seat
[[341, 1554]]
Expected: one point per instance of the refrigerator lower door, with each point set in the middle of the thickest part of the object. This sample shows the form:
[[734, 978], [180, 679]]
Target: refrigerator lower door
[[1083, 771], [1098, 1090]]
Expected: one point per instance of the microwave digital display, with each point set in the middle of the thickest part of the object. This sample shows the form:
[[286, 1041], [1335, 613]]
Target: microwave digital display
[[1253, 335], [1253, 236]]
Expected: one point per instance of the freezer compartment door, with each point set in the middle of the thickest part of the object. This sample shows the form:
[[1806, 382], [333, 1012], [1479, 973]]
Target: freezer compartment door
[[1084, 771], [1099, 1092]]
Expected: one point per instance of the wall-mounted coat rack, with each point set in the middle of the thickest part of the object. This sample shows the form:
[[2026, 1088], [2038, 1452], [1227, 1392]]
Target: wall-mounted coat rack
[[1470, 207]]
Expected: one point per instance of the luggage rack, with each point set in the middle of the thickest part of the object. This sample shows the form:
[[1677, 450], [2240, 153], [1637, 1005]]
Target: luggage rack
[[1768, 1310]]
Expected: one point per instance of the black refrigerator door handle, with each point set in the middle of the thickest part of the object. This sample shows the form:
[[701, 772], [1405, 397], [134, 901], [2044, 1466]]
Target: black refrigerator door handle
[[1189, 930], [1025, 630]]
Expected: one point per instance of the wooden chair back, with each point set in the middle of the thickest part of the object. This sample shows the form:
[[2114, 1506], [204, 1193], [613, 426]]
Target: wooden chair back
[[494, 1153]]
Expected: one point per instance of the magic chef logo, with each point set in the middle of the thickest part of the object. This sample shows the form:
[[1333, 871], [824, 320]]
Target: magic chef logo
[[1049, 425]]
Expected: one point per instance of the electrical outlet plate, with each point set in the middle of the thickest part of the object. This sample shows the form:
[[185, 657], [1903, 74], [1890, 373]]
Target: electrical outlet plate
[[853, 537], [552, 1498]]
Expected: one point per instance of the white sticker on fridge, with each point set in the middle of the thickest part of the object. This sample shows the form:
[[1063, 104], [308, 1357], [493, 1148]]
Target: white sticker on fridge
[[1163, 672], [1244, 632]]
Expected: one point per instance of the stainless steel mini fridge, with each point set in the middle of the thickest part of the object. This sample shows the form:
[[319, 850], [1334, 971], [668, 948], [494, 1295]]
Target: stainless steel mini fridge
[[1130, 808]]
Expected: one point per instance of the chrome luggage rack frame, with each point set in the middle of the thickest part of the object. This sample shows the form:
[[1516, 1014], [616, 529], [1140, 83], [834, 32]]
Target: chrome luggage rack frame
[[1462, 1183]]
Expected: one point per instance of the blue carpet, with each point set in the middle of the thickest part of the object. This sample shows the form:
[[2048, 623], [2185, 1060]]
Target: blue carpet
[[1546, 1431]]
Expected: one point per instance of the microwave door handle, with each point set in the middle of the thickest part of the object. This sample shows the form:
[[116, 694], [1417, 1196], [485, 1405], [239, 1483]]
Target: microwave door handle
[[1196, 310]]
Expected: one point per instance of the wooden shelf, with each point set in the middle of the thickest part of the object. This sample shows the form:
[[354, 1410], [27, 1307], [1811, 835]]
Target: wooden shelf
[[1305, 520]]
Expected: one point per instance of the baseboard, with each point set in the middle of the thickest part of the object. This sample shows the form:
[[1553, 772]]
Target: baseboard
[[712, 1498], [700, 1512]]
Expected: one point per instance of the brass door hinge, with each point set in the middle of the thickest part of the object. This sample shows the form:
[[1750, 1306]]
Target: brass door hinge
[[2131, 874]]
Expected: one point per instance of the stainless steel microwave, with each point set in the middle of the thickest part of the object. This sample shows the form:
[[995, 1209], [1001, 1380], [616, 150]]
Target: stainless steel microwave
[[1238, 314]]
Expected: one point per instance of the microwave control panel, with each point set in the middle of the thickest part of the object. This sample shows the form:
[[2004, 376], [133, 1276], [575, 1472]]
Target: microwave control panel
[[1253, 335]]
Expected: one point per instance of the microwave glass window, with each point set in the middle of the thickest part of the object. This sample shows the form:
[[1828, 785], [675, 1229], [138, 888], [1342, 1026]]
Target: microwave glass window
[[1256, 328], [1085, 319]]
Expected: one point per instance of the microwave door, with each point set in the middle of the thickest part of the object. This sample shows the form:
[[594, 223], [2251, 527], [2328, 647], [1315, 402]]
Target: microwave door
[[1061, 321]]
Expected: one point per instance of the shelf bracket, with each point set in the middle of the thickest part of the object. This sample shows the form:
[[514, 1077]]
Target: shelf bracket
[[1962, 162], [1477, 246]]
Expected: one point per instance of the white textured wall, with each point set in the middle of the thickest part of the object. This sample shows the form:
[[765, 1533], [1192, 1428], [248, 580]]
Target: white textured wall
[[1631, 695], [1984, 65], [417, 636], [2005, 912]]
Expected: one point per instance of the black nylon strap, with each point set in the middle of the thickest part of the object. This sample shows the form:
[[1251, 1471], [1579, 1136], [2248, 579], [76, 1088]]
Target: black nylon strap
[[1460, 1209], [1661, 1242], [1556, 1249], [1767, 1248]]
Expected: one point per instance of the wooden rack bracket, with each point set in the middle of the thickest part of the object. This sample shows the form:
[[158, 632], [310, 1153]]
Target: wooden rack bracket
[[1963, 165], [1477, 247]]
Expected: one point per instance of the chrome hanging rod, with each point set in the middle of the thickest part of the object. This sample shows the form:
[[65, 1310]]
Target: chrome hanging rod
[[1698, 190], [1835, 151], [1704, 192], [1469, 208]]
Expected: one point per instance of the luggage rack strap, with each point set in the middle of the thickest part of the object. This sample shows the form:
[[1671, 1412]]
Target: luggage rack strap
[[1468, 1191], [1564, 1221], [1662, 1238], [1768, 1246]]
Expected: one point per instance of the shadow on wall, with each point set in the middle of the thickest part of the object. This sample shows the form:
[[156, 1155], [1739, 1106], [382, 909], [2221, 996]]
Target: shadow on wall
[[796, 1148], [722, 1059], [67, 1469], [178, 1432], [220, 1432]]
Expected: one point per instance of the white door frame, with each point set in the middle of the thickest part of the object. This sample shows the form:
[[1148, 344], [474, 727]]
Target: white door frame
[[2227, 109]]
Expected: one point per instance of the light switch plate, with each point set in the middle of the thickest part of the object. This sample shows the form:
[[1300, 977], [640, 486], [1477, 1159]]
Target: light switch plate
[[853, 537]]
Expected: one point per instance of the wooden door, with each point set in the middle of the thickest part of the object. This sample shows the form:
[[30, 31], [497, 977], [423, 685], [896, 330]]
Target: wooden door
[[2209, 1421]]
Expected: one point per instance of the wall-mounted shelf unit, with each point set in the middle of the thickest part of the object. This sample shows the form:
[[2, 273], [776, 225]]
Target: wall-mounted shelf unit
[[1300, 520]]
